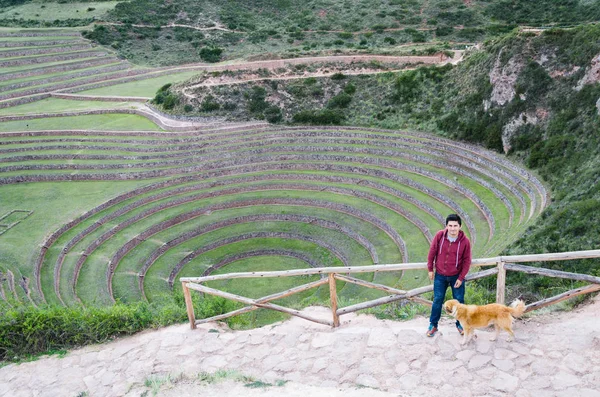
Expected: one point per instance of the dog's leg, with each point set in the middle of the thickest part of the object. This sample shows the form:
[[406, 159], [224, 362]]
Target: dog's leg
[[511, 334], [497, 331], [467, 336]]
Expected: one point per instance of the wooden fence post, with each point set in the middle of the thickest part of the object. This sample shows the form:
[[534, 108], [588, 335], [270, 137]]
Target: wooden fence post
[[501, 284], [189, 305], [334, 302]]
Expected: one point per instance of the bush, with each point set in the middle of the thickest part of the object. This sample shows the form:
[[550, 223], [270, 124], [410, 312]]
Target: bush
[[209, 104], [338, 76], [211, 54], [256, 100], [170, 101], [341, 100], [273, 114], [28, 330], [350, 89]]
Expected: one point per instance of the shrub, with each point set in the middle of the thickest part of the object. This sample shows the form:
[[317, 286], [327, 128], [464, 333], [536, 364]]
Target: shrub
[[27, 330], [188, 108], [161, 94], [211, 54], [273, 114], [341, 100], [350, 89], [441, 31], [256, 100], [210, 104], [338, 76], [170, 101]]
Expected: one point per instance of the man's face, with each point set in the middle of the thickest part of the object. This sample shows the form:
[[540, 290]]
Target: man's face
[[453, 228]]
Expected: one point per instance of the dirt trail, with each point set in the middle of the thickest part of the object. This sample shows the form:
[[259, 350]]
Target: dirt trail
[[553, 355]]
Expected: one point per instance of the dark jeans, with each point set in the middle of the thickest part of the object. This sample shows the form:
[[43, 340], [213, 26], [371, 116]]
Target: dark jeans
[[440, 285]]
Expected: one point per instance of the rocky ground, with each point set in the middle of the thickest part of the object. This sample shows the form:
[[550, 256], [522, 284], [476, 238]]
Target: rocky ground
[[554, 354]]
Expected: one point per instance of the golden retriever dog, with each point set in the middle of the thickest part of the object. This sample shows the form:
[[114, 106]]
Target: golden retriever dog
[[473, 316]]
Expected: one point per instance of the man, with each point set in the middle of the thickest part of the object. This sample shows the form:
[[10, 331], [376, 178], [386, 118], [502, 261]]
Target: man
[[450, 257]]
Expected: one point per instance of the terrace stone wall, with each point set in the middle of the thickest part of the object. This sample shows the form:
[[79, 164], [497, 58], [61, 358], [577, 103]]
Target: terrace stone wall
[[51, 58], [43, 51], [59, 68], [69, 76], [11, 44]]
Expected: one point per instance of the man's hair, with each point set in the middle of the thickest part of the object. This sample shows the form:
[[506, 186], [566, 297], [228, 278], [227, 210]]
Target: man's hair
[[453, 217]]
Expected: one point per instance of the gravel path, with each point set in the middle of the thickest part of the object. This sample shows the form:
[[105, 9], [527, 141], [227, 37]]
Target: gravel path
[[553, 355]]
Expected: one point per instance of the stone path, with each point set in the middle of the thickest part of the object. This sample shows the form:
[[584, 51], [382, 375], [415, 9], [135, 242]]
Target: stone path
[[553, 355]]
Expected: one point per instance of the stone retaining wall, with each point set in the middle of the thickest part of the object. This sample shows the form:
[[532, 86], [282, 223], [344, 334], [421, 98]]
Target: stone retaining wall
[[72, 83], [266, 252], [330, 247], [479, 154], [44, 33], [231, 191], [121, 252], [43, 51], [46, 80], [39, 43], [435, 148], [99, 98], [52, 58], [22, 101], [59, 68], [252, 157]]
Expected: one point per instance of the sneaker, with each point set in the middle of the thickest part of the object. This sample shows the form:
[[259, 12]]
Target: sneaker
[[460, 329], [432, 330]]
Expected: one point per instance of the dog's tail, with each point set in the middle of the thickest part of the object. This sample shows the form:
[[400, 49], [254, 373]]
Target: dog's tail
[[517, 308]]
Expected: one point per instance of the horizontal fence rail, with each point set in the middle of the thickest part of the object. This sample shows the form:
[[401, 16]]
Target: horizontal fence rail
[[500, 265]]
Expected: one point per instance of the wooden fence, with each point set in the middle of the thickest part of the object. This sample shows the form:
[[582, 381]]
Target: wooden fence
[[329, 275]]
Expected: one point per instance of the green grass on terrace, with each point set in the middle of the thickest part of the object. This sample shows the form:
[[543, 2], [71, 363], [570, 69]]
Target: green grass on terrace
[[51, 86], [98, 69], [13, 69], [57, 105], [35, 38], [119, 122], [53, 205], [142, 88]]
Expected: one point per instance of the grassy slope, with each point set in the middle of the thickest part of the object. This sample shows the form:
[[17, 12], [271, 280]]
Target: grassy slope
[[50, 11], [287, 28]]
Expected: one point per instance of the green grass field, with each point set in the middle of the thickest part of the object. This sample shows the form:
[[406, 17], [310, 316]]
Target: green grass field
[[57, 105], [117, 122], [142, 88]]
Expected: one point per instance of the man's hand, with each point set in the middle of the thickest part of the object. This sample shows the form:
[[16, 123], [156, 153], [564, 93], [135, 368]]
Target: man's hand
[[431, 276], [457, 284]]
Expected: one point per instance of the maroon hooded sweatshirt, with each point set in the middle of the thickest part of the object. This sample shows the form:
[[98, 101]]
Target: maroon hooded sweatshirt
[[450, 258]]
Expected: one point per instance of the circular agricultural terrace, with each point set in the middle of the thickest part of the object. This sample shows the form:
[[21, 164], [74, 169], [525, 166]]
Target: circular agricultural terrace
[[277, 197]]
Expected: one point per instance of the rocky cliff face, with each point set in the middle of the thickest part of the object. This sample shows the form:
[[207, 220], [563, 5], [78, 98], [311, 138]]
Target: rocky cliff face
[[506, 75]]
